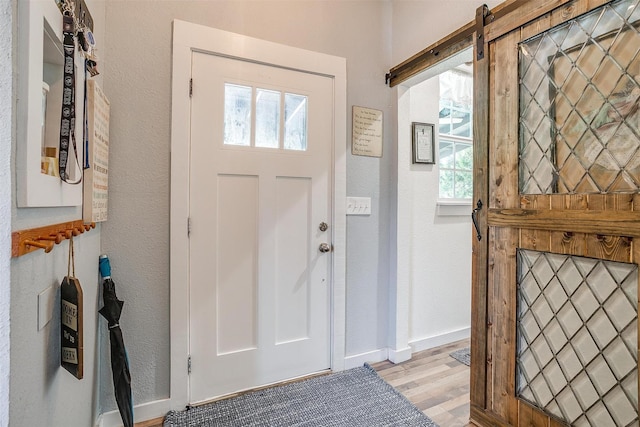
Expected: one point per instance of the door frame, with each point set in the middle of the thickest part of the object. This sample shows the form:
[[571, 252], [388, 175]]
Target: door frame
[[187, 38]]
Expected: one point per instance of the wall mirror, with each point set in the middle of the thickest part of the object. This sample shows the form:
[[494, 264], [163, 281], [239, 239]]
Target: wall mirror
[[40, 62]]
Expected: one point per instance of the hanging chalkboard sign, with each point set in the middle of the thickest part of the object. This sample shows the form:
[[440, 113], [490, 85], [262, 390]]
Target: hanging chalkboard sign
[[71, 317]]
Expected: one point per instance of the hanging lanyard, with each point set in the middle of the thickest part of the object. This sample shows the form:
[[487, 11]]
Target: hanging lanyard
[[68, 116], [85, 127]]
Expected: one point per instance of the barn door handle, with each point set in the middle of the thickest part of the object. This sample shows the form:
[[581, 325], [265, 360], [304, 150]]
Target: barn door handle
[[474, 218]]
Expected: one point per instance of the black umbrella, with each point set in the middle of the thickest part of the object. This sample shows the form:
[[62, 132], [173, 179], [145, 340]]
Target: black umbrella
[[119, 360]]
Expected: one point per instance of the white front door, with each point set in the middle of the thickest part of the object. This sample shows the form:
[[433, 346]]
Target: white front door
[[260, 190]]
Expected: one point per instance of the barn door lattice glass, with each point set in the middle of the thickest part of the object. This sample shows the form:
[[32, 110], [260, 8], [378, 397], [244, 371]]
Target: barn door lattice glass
[[579, 121], [578, 336]]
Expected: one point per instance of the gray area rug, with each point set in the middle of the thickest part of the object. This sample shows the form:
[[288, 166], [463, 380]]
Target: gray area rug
[[463, 355], [354, 398]]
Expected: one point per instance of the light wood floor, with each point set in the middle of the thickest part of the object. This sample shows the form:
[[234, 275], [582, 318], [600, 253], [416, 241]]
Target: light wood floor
[[432, 380], [435, 382]]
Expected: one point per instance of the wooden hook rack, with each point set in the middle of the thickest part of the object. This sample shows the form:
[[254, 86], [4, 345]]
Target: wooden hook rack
[[33, 239]]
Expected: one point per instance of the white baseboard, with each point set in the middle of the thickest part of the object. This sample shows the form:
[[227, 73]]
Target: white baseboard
[[143, 412], [379, 355], [401, 355], [357, 360], [438, 340]]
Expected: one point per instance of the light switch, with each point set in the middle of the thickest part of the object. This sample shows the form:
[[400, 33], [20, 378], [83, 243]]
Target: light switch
[[45, 306], [358, 205]]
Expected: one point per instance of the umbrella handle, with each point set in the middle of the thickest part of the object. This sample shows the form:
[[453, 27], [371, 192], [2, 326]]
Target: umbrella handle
[[104, 266]]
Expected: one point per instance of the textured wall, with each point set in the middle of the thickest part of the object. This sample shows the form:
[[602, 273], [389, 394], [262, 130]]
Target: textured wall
[[137, 81], [420, 23], [6, 111], [42, 393], [440, 288]]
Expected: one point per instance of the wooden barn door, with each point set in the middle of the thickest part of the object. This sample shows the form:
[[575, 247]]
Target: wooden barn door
[[557, 179]]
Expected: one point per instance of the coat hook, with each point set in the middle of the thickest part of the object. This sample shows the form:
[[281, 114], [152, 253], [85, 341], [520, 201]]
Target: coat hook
[[56, 238], [46, 246]]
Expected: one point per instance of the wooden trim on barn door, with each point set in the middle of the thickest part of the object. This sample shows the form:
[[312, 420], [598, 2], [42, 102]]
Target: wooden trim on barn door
[[480, 247]]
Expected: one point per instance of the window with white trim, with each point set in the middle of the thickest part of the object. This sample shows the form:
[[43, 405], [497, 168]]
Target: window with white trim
[[455, 147]]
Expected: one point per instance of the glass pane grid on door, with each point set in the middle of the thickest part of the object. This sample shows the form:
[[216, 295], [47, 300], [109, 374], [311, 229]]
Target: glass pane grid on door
[[253, 117], [577, 338], [579, 126]]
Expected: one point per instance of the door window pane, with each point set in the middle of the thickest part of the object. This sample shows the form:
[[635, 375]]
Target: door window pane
[[267, 118], [237, 115], [295, 127], [265, 131]]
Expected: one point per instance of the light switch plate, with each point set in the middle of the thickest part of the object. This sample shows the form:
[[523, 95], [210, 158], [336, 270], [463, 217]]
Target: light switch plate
[[45, 307], [358, 205]]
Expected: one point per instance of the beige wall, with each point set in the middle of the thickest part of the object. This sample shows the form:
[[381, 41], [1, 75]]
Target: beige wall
[[137, 82], [6, 86], [41, 392], [135, 61], [420, 23]]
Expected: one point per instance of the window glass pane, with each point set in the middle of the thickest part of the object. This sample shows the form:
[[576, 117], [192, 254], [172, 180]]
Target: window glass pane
[[267, 118], [463, 185], [445, 158], [455, 145], [446, 184], [445, 117], [464, 156], [237, 115], [295, 126], [461, 122], [456, 102]]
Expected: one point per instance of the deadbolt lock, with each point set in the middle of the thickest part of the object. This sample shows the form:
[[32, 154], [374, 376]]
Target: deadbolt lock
[[323, 226]]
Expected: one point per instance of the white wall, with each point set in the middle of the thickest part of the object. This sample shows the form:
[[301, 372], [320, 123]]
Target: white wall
[[438, 246], [6, 112], [137, 81], [430, 296], [420, 23], [41, 392]]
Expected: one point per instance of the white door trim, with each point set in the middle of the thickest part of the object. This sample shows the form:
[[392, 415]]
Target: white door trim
[[188, 37]]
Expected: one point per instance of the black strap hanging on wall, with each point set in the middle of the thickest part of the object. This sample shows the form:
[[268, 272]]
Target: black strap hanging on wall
[[68, 116]]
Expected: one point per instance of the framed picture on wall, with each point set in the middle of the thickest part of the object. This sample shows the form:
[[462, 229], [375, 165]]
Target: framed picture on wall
[[423, 143]]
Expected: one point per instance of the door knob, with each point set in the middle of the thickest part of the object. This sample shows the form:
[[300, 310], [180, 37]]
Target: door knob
[[324, 248]]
